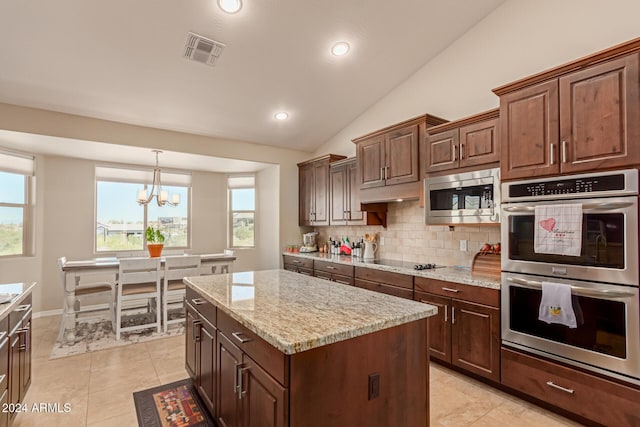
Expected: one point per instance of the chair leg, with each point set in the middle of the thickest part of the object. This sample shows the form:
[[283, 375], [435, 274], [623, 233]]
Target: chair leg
[[118, 318]]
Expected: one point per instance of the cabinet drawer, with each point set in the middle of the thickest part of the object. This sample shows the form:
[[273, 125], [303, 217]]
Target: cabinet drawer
[[333, 268], [345, 280], [385, 289], [477, 294], [16, 315], [203, 306], [270, 358], [386, 277], [300, 262], [584, 394]]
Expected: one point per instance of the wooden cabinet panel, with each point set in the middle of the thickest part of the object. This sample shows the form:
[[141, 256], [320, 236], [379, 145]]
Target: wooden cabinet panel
[[442, 147], [356, 216], [439, 326], [306, 197], [4, 415], [25, 356], [401, 153], [475, 335], [333, 268], [230, 360], [338, 203], [321, 193], [207, 369], [371, 161], [598, 399], [529, 131], [313, 189], [264, 400], [477, 294], [599, 110], [479, 143], [386, 277], [384, 288], [297, 261]]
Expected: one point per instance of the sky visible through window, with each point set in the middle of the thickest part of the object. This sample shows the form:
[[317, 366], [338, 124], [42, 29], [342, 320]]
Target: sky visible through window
[[117, 202], [11, 191]]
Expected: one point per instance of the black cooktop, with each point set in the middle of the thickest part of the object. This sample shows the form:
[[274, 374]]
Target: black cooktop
[[406, 264]]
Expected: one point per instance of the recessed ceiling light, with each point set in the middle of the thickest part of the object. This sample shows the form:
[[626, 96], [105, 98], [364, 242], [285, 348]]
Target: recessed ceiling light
[[340, 48], [281, 115], [230, 6]]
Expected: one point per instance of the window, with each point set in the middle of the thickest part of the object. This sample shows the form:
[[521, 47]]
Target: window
[[121, 222], [242, 211], [16, 176]]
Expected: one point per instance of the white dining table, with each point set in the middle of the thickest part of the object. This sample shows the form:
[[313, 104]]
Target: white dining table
[[75, 270]]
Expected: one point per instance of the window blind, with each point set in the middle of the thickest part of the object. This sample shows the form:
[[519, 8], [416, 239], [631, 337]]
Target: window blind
[[141, 176]]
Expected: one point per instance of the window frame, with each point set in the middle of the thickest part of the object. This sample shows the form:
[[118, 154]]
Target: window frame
[[145, 214], [230, 210], [28, 207]]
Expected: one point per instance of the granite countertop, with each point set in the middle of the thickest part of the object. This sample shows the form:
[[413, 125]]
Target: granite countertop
[[17, 291], [450, 274], [295, 313]]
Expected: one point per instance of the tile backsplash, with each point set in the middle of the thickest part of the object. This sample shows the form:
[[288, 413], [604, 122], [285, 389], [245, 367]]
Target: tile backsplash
[[407, 238]]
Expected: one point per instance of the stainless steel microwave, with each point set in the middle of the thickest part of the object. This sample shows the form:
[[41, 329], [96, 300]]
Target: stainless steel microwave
[[464, 198]]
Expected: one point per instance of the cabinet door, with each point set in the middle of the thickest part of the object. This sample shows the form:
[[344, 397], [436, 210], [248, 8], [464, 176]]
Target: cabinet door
[[306, 195], [4, 415], [206, 381], [371, 162], [14, 370], [354, 215], [25, 357], [439, 326], [264, 400], [191, 332], [338, 200], [229, 361], [479, 143], [442, 151], [401, 152], [529, 132], [320, 215], [475, 344], [599, 110]]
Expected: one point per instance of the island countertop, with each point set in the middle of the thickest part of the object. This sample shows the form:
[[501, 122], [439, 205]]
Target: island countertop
[[295, 313]]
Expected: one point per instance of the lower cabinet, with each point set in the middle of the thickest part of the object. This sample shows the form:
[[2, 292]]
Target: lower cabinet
[[339, 273], [466, 330], [19, 353], [298, 265], [386, 282]]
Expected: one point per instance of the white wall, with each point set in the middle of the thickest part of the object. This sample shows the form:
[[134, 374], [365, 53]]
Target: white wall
[[520, 38]]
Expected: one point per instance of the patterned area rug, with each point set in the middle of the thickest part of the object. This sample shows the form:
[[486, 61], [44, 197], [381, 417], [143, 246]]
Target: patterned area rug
[[97, 334], [171, 405]]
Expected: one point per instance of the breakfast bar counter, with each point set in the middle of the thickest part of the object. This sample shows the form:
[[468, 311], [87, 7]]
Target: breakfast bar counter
[[285, 349]]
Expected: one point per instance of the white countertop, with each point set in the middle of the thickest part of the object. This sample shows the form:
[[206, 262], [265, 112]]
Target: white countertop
[[450, 274], [295, 313], [19, 290]]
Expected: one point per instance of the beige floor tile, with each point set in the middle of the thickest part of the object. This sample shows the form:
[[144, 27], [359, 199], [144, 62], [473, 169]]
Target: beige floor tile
[[123, 420], [165, 348], [76, 417], [137, 374], [111, 402], [106, 359]]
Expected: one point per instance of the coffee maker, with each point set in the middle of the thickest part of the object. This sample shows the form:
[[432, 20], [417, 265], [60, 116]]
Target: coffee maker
[[309, 242]]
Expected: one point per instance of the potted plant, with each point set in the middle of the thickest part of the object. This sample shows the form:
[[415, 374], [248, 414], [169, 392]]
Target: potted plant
[[155, 241]]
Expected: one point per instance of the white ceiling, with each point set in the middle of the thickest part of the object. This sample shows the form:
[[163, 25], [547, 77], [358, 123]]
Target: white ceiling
[[121, 60]]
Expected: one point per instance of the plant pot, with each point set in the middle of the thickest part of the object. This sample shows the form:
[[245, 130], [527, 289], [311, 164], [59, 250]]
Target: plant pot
[[155, 249]]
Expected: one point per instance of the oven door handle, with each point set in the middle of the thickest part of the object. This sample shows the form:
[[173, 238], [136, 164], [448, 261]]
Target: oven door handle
[[585, 207], [575, 290]]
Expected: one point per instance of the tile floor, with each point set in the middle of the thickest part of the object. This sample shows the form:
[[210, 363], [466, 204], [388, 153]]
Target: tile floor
[[99, 387]]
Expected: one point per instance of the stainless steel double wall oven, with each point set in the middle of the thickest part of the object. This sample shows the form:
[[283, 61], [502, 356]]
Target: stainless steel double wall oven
[[604, 277]]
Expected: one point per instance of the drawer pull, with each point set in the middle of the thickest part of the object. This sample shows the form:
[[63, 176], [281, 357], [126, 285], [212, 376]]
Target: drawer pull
[[24, 307], [196, 330], [296, 261], [238, 336], [566, 390], [451, 290], [198, 301], [329, 267], [241, 392]]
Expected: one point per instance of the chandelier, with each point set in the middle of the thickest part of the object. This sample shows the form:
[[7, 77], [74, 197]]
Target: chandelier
[[162, 196]]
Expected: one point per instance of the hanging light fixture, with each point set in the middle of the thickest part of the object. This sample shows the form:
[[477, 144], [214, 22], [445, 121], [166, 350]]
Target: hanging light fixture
[[162, 196]]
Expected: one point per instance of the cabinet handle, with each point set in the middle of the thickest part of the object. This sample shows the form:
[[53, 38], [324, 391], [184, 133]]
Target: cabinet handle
[[454, 153], [241, 392], [564, 151], [27, 337], [451, 290], [386, 172], [196, 330], [453, 315], [446, 313], [382, 177], [237, 335], [24, 307], [461, 151], [235, 376], [330, 267], [295, 261], [556, 386], [552, 154], [198, 301]]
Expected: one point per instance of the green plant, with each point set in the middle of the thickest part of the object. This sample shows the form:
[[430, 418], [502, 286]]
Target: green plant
[[153, 235]]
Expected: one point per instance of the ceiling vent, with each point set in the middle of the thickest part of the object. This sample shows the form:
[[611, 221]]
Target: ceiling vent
[[202, 49]]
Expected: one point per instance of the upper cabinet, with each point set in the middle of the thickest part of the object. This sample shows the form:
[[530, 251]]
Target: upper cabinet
[[344, 205], [465, 143], [388, 160], [581, 116], [313, 184]]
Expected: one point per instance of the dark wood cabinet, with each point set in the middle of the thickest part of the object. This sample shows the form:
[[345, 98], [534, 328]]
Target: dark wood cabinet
[[230, 357], [264, 400], [19, 363], [192, 323], [339, 273], [466, 331], [388, 160], [579, 117], [313, 185], [207, 368], [466, 143], [345, 194], [298, 265], [396, 284]]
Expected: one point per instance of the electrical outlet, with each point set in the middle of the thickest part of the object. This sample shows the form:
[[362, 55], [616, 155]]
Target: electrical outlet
[[381, 241], [374, 386], [464, 246]]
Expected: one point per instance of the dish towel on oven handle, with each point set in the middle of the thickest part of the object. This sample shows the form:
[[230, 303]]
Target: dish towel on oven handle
[[558, 229], [555, 306]]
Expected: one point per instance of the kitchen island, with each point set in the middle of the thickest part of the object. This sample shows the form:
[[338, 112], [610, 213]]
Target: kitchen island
[[274, 348]]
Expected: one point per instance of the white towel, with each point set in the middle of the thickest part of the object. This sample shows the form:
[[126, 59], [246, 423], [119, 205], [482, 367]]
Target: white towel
[[555, 306], [558, 229]]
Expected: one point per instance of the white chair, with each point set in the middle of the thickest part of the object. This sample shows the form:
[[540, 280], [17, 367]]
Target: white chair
[[105, 289], [175, 269], [138, 279]]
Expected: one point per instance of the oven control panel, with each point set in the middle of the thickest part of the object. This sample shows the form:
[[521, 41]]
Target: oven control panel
[[593, 184]]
